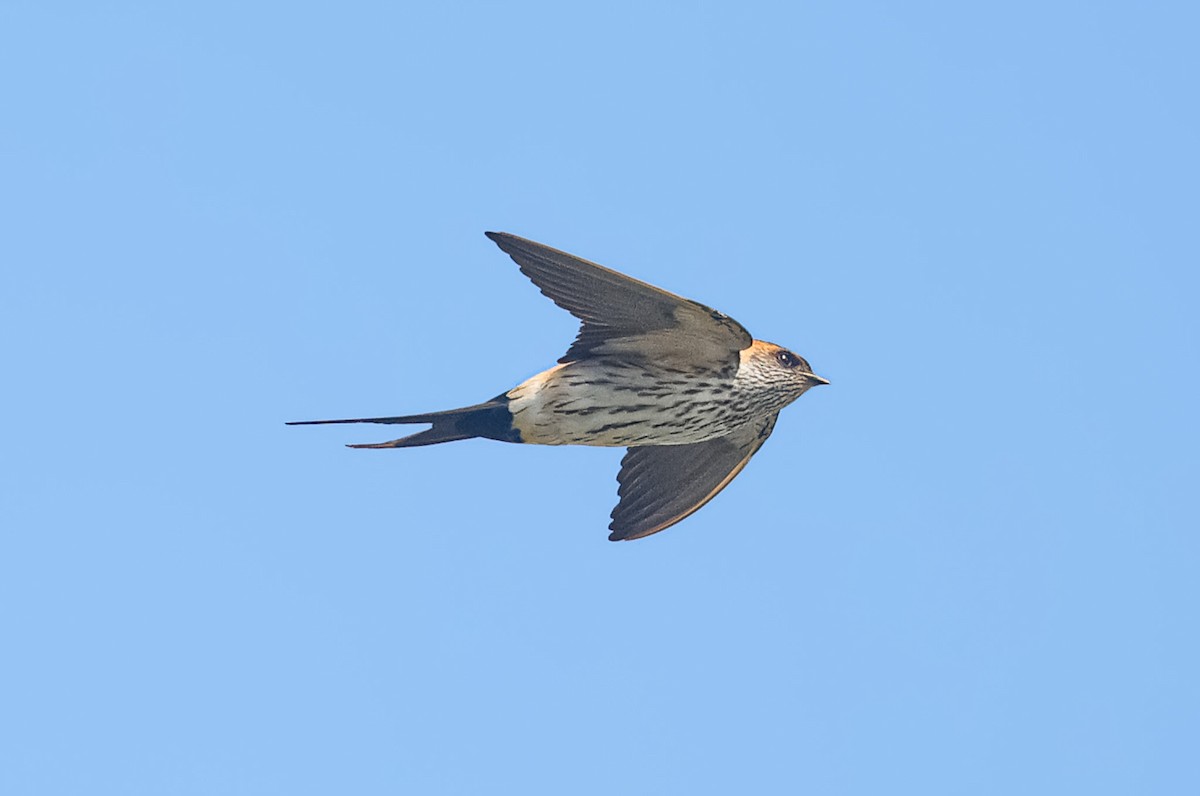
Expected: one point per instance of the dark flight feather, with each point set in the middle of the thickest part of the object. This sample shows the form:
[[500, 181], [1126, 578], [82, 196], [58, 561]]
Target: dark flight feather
[[663, 484], [623, 317]]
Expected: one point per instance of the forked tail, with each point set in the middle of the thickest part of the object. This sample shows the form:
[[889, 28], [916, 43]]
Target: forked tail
[[491, 420]]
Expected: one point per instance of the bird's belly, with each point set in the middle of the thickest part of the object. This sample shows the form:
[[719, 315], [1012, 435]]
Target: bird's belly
[[587, 403]]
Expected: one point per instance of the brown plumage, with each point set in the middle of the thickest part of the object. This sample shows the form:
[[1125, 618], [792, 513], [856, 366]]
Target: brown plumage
[[682, 386]]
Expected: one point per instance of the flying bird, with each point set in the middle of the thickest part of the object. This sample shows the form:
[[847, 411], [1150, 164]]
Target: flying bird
[[683, 387]]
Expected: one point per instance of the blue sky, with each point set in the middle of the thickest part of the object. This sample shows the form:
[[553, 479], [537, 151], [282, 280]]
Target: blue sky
[[968, 566]]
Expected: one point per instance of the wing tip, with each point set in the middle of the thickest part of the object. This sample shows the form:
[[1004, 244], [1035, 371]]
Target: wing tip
[[622, 536], [633, 533]]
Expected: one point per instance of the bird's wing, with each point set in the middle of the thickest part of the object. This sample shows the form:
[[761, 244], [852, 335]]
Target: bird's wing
[[663, 484], [624, 317]]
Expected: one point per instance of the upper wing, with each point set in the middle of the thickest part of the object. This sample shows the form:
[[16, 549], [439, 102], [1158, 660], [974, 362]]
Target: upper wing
[[624, 317], [663, 484]]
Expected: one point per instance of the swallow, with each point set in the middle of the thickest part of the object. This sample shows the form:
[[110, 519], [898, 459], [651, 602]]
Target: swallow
[[685, 388]]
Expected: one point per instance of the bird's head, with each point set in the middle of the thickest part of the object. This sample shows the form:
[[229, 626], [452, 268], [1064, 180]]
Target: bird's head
[[777, 370]]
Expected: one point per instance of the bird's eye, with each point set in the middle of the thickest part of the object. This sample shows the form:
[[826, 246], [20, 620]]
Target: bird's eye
[[786, 358]]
